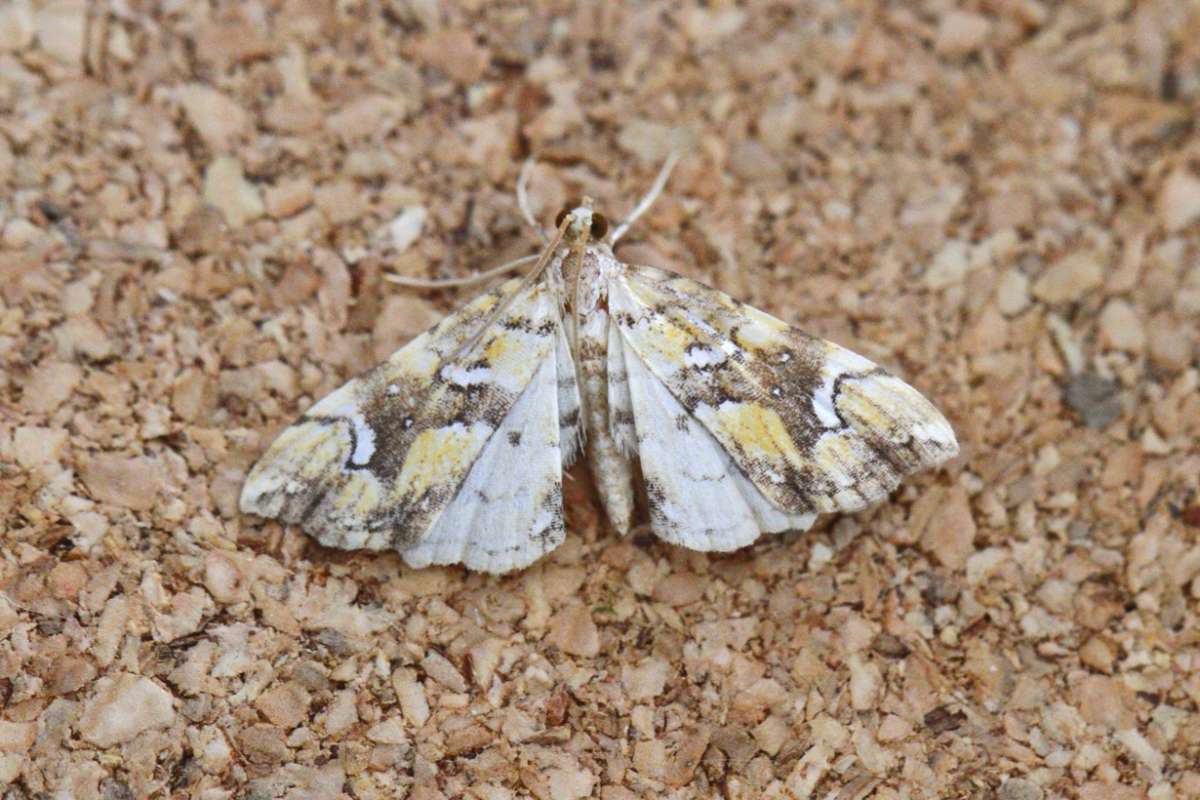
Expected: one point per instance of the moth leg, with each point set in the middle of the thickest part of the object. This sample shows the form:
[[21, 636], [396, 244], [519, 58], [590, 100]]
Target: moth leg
[[459, 283]]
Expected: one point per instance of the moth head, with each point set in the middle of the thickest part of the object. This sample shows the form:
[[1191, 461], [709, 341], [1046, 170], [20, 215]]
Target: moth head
[[582, 221]]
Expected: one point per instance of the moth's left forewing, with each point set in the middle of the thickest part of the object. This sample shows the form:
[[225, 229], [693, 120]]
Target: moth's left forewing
[[814, 426], [377, 462]]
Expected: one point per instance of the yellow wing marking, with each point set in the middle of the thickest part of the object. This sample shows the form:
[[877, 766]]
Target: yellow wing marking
[[315, 447], [418, 363], [358, 495], [439, 457], [673, 335], [498, 349], [833, 453], [866, 403], [766, 332], [507, 350], [759, 431]]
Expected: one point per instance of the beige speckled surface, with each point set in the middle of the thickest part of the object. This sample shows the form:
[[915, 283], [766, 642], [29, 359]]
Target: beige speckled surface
[[1001, 202]]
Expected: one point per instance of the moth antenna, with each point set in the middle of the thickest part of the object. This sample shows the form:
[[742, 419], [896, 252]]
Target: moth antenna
[[660, 183], [523, 198]]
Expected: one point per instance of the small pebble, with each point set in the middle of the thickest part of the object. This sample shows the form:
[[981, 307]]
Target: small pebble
[[1097, 654], [1012, 293], [573, 631], [1094, 398], [123, 481], [648, 140], [34, 446], [646, 680], [406, 228], [60, 25], [285, 705], [1106, 701], [949, 266], [17, 737], [17, 27], [1172, 346], [288, 197], [49, 386], [950, 533], [1019, 789], [219, 120], [454, 52], [341, 201], [893, 729], [371, 116], [411, 694], [390, 731]]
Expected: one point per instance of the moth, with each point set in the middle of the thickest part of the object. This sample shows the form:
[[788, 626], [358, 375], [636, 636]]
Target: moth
[[733, 422]]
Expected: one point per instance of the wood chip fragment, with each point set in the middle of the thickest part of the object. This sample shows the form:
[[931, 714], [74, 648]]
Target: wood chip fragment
[[123, 481], [197, 211], [122, 707], [573, 631]]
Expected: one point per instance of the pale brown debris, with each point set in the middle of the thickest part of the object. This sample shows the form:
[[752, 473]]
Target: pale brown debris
[[998, 200]]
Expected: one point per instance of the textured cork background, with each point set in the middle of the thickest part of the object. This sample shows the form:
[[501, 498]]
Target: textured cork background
[[998, 200]]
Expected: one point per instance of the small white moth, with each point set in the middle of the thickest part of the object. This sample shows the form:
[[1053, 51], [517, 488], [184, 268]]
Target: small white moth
[[453, 450]]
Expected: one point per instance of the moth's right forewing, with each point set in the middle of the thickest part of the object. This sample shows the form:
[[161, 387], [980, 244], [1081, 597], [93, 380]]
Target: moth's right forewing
[[698, 497], [815, 427]]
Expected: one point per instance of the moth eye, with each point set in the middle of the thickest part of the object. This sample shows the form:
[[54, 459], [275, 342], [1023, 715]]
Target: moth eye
[[599, 226], [571, 205]]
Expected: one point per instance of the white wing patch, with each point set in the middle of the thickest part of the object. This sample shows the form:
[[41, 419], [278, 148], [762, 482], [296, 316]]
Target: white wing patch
[[570, 425], [508, 512]]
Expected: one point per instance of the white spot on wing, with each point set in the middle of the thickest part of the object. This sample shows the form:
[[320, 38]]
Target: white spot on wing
[[822, 402], [364, 434], [702, 357], [364, 442], [457, 374]]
